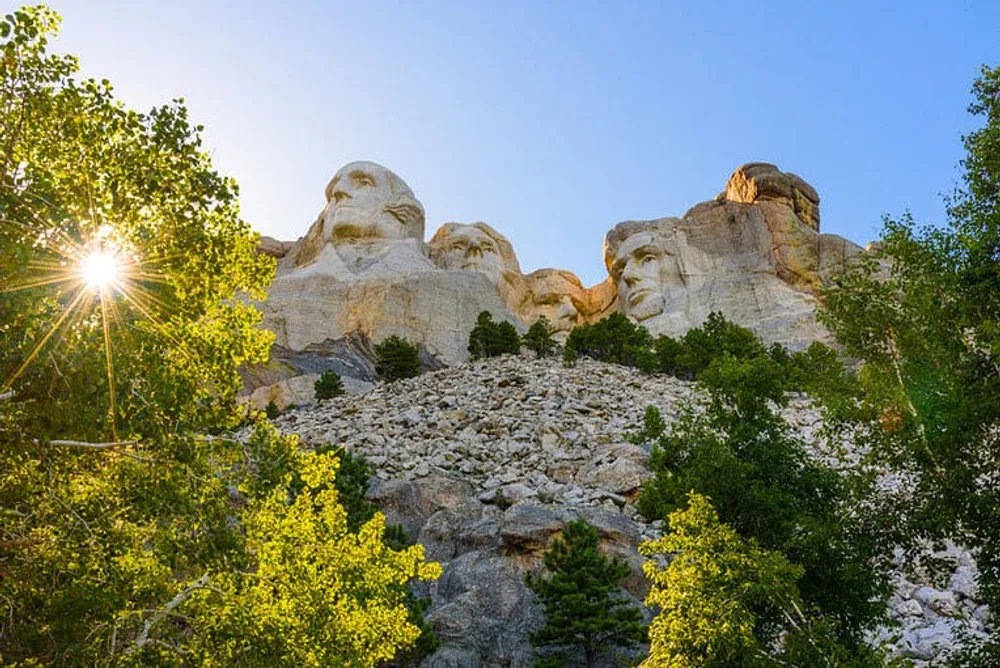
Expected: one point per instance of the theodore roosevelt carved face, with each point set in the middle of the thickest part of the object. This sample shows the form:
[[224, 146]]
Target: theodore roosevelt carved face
[[559, 296]]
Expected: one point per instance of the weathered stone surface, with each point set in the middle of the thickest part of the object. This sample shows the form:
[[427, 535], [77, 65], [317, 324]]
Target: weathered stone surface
[[763, 182], [671, 273], [363, 268], [754, 253]]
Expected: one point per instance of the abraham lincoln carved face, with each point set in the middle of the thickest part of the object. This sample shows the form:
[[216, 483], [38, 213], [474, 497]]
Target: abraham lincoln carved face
[[367, 201]]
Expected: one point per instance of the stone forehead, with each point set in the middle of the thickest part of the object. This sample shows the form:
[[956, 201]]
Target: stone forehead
[[450, 230], [553, 277], [620, 233], [397, 186]]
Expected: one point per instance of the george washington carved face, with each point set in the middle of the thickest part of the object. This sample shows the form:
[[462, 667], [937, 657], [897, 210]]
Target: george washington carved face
[[367, 201]]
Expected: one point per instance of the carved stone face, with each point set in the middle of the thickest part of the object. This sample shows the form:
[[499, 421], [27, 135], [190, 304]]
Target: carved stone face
[[367, 201], [559, 296], [468, 248], [641, 267]]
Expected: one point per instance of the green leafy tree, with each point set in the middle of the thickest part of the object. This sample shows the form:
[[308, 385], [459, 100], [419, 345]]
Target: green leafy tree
[[312, 579], [924, 318], [723, 600], [739, 451], [586, 611], [396, 358], [329, 385], [538, 338], [132, 528]]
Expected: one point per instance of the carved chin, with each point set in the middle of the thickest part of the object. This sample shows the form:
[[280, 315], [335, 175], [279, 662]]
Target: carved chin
[[353, 228], [647, 307]]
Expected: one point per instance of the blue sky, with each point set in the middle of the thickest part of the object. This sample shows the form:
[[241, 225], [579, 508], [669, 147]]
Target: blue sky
[[552, 121]]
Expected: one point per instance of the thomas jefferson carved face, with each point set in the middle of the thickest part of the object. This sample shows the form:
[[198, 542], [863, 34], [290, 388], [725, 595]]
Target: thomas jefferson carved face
[[367, 201], [476, 247], [467, 248]]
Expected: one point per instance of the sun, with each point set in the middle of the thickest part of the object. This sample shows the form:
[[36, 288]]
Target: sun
[[100, 269]]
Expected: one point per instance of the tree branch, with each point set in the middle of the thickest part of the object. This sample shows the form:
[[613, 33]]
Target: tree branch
[[89, 445], [143, 638]]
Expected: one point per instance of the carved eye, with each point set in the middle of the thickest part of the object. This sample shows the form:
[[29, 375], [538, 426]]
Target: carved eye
[[362, 179], [647, 258], [340, 196]]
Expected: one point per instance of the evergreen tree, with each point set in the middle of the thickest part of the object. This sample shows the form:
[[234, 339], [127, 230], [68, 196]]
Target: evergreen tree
[[539, 339], [491, 339], [396, 358], [329, 385], [569, 356], [586, 611], [508, 340]]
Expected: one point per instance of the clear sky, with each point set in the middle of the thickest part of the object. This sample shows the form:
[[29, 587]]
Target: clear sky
[[552, 121]]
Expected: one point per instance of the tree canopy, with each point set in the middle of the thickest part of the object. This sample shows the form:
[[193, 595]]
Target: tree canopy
[[133, 528]]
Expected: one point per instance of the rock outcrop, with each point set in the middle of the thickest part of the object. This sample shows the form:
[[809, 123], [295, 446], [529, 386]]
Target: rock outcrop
[[485, 463], [755, 253]]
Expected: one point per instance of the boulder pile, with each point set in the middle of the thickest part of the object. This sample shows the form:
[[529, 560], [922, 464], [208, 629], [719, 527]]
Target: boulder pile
[[486, 462]]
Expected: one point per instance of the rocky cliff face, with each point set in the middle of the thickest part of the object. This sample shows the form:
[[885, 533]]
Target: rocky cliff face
[[755, 253], [485, 463]]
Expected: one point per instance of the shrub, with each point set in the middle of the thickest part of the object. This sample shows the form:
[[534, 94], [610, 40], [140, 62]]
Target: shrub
[[329, 385], [271, 410], [539, 338], [569, 356], [396, 358]]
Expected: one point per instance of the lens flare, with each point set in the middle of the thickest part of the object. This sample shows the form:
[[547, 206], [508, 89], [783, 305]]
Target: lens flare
[[99, 269]]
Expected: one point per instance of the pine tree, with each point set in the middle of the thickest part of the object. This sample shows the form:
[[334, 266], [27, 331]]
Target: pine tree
[[585, 609], [329, 385], [539, 338], [396, 358], [492, 339]]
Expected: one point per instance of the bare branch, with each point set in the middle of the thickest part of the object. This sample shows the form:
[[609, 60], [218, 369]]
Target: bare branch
[[89, 445], [143, 638]]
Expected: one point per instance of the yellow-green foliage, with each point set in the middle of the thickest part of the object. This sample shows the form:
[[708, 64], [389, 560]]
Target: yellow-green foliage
[[319, 595], [714, 592]]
